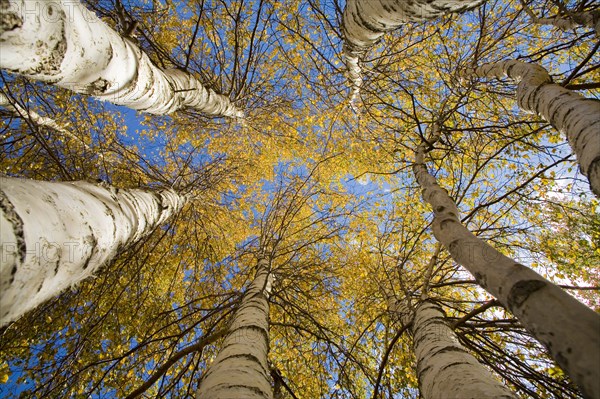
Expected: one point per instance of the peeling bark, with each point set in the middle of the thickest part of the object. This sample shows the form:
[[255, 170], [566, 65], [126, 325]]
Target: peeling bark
[[366, 21], [55, 234], [64, 44], [241, 368], [569, 112], [565, 326], [444, 368]]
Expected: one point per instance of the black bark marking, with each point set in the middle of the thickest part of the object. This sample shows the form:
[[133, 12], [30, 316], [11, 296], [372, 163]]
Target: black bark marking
[[48, 198], [358, 18], [446, 221], [422, 371], [522, 290], [593, 174], [454, 245], [110, 55], [509, 71], [447, 366], [553, 108], [562, 360], [8, 20], [481, 280], [109, 212], [93, 242], [51, 65], [451, 349], [532, 102], [246, 387], [583, 134], [57, 266], [98, 87], [162, 205], [11, 215], [13, 271], [568, 115], [87, 262]]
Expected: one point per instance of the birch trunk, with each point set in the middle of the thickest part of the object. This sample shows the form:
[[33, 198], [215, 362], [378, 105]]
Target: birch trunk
[[42, 121], [578, 117], [589, 19], [64, 44], [241, 369], [445, 369], [53, 235], [37, 119], [566, 327], [366, 21]]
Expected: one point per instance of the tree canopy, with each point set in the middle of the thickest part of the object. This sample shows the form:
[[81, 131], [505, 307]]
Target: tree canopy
[[318, 178]]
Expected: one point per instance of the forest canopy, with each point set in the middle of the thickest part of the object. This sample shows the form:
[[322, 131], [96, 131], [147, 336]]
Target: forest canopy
[[300, 199]]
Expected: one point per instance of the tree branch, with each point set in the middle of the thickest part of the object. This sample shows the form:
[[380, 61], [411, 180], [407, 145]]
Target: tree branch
[[197, 347]]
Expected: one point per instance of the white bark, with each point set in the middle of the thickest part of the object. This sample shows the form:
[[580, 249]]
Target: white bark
[[588, 19], [444, 367], [241, 368], [366, 21], [55, 234], [578, 117], [39, 120], [63, 43], [566, 327]]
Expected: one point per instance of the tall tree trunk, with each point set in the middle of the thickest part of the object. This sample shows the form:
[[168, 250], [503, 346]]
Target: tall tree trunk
[[38, 120], [567, 111], [569, 21], [566, 327], [65, 44], [55, 234], [241, 369], [445, 369], [366, 21], [589, 19]]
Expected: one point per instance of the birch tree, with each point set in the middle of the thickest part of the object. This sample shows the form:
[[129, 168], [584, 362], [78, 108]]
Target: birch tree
[[366, 21], [290, 228], [55, 234], [152, 323], [578, 117], [569, 19], [241, 368], [39, 120], [444, 368], [556, 319], [62, 43]]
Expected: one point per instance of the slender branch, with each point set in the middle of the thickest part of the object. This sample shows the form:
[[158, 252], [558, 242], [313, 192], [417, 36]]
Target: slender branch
[[475, 312], [583, 86], [573, 73], [385, 358], [278, 379], [196, 28], [197, 347], [430, 267]]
